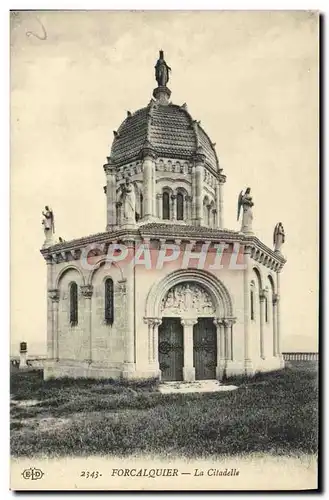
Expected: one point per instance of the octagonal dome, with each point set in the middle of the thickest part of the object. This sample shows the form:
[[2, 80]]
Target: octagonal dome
[[168, 128]]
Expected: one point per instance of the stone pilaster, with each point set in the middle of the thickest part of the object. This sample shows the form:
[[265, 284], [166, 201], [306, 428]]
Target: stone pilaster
[[129, 356], [50, 320], [110, 196], [188, 369], [148, 156], [274, 320], [87, 292], [278, 312], [53, 343], [262, 298], [247, 319]]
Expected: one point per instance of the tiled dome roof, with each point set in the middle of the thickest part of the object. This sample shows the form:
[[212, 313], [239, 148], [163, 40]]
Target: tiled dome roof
[[168, 128]]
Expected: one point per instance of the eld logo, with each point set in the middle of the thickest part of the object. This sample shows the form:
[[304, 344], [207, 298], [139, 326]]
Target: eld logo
[[32, 473]]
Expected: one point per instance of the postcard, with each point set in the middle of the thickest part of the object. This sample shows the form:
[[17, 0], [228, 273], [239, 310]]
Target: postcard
[[164, 304]]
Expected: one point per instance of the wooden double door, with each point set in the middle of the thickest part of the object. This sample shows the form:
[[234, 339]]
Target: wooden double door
[[205, 349], [171, 349]]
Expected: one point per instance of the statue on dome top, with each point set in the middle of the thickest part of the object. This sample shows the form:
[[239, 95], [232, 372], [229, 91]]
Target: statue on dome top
[[162, 71]]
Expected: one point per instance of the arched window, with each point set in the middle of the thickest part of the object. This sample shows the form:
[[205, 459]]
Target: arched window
[[180, 206], [141, 201], [252, 302], [109, 310], [73, 304], [252, 308], [165, 206], [209, 212]]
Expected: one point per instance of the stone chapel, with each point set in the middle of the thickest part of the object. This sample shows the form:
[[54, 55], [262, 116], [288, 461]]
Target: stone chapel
[[165, 291]]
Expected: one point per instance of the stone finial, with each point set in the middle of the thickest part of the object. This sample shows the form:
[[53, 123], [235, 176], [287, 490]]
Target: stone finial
[[22, 355]]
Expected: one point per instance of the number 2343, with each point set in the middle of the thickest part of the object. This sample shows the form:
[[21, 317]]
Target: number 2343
[[90, 474]]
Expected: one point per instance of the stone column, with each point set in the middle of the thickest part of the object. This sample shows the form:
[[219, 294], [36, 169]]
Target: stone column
[[53, 295], [173, 208], [198, 195], [214, 218], [219, 201], [188, 369], [188, 209], [110, 196], [227, 323], [199, 159], [220, 369], [118, 207], [87, 292], [153, 334], [193, 204], [274, 322], [228, 336], [247, 319], [159, 203], [262, 297], [148, 157], [129, 357]]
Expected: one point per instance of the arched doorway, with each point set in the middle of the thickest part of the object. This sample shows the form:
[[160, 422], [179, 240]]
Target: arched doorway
[[187, 310], [189, 317]]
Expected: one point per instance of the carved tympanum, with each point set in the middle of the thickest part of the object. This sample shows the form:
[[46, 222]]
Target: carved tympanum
[[187, 297]]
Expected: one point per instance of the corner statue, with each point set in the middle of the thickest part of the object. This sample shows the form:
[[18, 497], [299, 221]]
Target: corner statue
[[162, 71], [48, 223], [245, 201], [278, 237], [129, 203]]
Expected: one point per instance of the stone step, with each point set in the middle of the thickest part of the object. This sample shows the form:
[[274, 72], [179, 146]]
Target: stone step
[[197, 386]]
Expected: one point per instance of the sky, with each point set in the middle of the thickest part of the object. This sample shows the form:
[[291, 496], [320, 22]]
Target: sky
[[250, 77]]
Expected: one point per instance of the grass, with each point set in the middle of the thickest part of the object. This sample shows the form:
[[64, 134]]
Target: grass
[[272, 413]]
